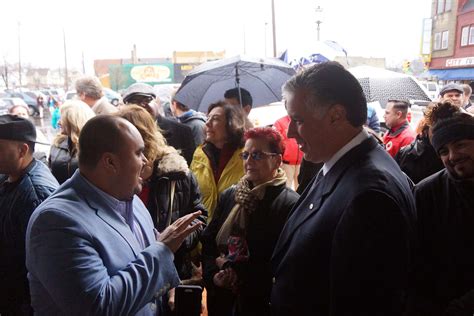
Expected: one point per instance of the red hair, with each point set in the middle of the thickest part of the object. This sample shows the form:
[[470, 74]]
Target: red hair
[[268, 134]]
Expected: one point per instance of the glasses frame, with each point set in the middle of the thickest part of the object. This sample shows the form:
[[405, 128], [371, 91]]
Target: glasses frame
[[245, 155]]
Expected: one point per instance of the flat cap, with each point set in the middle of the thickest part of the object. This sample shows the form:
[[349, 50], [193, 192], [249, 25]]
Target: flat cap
[[451, 87], [138, 89]]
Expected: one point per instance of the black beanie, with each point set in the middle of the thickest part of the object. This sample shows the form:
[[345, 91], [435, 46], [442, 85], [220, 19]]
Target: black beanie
[[459, 126]]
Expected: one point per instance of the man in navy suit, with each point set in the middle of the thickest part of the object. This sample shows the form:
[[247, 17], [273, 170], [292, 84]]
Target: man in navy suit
[[345, 249], [91, 248]]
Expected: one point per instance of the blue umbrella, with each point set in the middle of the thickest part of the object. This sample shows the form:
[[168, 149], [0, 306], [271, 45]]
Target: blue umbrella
[[207, 83], [318, 52]]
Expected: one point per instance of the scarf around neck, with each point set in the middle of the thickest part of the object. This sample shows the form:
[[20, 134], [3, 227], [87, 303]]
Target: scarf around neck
[[246, 199]]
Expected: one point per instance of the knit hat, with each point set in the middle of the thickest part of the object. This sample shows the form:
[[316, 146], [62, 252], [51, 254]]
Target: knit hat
[[445, 131]]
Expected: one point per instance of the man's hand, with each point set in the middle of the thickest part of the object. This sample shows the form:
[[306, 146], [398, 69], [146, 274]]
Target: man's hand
[[174, 235], [171, 300]]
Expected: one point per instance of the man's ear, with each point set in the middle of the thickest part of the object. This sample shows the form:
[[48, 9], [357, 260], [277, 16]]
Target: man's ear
[[247, 109], [23, 149], [109, 162], [337, 113]]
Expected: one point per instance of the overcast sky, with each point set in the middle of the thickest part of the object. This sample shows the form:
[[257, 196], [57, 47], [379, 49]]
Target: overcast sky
[[108, 28]]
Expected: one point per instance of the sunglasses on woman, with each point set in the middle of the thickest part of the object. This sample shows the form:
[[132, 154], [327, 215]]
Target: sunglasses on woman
[[256, 155]]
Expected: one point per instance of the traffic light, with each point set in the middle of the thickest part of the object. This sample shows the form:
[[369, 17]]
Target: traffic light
[[406, 66]]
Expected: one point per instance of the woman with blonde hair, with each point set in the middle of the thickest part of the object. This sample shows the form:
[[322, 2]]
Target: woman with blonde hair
[[63, 155], [170, 189]]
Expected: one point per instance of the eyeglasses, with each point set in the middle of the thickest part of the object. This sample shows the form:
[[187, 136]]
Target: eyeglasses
[[256, 155], [140, 100]]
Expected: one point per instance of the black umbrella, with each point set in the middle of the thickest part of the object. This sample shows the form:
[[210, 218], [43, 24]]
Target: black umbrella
[[383, 85], [262, 77]]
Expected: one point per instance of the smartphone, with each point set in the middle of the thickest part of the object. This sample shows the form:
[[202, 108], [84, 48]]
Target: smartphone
[[188, 300]]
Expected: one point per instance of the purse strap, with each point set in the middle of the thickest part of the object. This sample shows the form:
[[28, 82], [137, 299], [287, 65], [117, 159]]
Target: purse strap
[[170, 208]]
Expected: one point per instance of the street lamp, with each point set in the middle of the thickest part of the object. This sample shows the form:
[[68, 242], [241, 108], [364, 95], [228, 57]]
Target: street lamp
[[319, 12]]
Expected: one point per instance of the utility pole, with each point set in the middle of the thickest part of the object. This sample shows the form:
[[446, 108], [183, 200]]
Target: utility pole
[[274, 30], [319, 11], [19, 55], [245, 42], [265, 39], [83, 66], [66, 79]]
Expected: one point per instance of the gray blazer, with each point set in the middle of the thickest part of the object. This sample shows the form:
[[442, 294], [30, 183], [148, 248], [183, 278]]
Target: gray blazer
[[83, 259]]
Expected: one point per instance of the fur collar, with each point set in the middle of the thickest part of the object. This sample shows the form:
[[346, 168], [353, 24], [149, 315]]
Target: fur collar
[[172, 163]]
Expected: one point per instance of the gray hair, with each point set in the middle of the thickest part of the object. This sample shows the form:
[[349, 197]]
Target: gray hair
[[467, 89], [327, 84], [90, 86]]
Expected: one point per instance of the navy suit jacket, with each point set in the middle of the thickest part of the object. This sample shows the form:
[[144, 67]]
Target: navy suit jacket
[[83, 259], [345, 249]]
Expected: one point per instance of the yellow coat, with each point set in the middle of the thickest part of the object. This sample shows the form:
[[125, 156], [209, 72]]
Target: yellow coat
[[201, 167]]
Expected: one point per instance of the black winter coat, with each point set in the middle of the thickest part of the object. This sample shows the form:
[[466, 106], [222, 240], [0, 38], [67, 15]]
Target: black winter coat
[[444, 274], [187, 199], [419, 159], [62, 162], [17, 202], [178, 136], [265, 225]]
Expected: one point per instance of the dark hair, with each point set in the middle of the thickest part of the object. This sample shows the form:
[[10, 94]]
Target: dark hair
[[437, 111], [31, 147], [270, 135], [181, 106], [328, 84], [234, 94], [101, 134], [400, 105], [235, 119]]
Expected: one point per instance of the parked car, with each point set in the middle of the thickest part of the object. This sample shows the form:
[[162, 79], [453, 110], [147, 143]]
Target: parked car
[[31, 102], [3, 107], [70, 95], [11, 102], [112, 96], [433, 89]]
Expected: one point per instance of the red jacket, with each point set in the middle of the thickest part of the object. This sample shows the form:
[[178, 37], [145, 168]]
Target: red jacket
[[398, 137], [292, 154]]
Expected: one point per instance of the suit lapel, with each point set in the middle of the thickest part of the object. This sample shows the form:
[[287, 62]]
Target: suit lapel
[[140, 215], [317, 194], [105, 212]]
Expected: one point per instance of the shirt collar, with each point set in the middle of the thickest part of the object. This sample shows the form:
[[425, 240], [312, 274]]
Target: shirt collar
[[358, 139], [109, 200]]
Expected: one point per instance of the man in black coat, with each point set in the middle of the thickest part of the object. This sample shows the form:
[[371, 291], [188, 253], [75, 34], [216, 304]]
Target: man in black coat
[[176, 134], [345, 249], [444, 274], [24, 183]]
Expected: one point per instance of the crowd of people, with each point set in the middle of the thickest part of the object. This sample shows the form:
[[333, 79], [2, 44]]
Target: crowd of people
[[321, 214]]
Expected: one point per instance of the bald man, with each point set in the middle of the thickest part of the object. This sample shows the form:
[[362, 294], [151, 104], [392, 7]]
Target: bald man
[[91, 248]]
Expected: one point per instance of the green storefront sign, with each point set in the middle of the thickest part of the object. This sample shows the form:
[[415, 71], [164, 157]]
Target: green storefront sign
[[122, 76]]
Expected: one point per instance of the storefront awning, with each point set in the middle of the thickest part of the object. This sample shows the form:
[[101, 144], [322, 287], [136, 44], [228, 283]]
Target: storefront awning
[[450, 74]]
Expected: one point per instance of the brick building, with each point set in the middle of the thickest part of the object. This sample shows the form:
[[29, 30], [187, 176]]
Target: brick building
[[452, 41]]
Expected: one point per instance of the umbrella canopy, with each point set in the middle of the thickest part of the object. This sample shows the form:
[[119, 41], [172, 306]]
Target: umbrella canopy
[[314, 53], [383, 85], [207, 83]]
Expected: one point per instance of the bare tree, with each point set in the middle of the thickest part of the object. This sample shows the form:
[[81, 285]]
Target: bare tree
[[4, 72]]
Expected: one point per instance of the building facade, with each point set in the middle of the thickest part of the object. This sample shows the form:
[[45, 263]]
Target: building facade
[[452, 41]]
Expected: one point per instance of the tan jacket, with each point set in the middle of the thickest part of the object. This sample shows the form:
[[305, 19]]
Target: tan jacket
[[102, 106]]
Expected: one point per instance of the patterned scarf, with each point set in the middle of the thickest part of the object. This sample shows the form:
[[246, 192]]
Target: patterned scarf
[[231, 236]]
